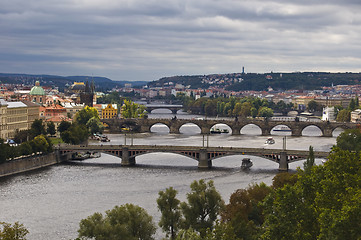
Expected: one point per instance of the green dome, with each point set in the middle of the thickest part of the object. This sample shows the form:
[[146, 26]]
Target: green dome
[[37, 90]]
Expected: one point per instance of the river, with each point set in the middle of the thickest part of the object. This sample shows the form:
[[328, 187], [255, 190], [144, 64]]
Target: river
[[52, 201]]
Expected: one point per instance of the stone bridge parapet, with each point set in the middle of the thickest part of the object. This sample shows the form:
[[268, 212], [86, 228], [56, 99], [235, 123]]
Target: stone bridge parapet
[[174, 125], [204, 155]]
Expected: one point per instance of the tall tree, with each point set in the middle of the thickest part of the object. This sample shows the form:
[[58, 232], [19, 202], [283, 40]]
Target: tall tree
[[37, 128], [132, 110], [83, 116], [343, 115], [310, 161], [204, 205], [51, 128], [128, 222], [169, 206], [16, 231], [95, 125]]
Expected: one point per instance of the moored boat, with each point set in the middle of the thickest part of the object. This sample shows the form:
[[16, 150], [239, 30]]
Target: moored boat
[[246, 164], [282, 129]]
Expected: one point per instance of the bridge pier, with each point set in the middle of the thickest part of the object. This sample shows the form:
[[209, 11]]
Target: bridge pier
[[203, 161], [283, 164], [327, 132], [127, 160], [174, 130], [266, 131]]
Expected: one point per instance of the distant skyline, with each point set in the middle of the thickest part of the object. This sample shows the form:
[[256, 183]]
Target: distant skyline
[[144, 40]]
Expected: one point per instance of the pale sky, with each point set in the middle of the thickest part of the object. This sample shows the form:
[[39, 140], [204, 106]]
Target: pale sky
[[150, 39]]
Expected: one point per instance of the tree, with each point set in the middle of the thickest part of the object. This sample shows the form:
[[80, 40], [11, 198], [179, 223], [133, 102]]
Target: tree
[[352, 105], [83, 116], [310, 161], [40, 144], [128, 222], [312, 106], [132, 110], [76, 134], [169, 206], [204, 205], [265, 112], [95, 125], [51, 128], [343, 115], [16, 231], [37, 128], [244, 213], [349, 140], [63, 126]]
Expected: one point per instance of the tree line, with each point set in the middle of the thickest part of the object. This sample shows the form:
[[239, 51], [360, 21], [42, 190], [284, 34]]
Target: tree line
[[234, 107]]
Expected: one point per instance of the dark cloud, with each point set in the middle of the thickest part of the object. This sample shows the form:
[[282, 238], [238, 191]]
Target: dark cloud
[[146, 40]]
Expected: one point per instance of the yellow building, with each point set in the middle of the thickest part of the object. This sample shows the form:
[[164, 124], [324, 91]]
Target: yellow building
[[16, 116], [109, 111]]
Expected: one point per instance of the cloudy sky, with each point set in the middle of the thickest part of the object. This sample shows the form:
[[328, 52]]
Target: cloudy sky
[[150, 39]]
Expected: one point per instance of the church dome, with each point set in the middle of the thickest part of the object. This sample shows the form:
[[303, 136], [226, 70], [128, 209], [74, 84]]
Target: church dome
[[37, 90]]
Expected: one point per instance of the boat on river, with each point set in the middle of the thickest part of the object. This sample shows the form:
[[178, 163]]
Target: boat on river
[[270, 140], [282, 129], [246, 164], [216, 130]]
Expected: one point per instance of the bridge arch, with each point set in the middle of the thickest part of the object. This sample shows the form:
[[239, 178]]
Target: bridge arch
[[190, 129], [221, 127], [313, 130], [159, 128], [251, 129], [283, 129]]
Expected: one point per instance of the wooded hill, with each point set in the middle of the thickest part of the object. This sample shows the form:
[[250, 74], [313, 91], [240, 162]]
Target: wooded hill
[[261, 81]]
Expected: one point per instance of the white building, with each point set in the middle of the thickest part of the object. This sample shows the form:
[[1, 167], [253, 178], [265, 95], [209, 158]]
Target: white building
[[356, 116], [328, 114]]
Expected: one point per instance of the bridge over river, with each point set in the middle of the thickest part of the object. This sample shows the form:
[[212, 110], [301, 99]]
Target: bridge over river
[[204, 155], [174, 125]]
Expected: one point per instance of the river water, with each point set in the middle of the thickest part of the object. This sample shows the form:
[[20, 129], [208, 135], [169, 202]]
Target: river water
[[52, 201]]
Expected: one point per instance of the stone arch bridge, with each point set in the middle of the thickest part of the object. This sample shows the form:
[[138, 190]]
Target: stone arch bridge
[[144, 125], [203, 155]]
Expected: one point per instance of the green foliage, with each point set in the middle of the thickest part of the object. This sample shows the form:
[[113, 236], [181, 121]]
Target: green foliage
[[265, 112], [83, 116], [310, 161], [324, 204], [51, 128], [314, 106], [40, 144], [349, 140], [204, 205], [244, 213], [76, 134], [343, 115], [16, 231], [169, 206], [133, 110], [284, 178], [63, 126], [37, 128], [126, 222], [95, 125], [22, 136]]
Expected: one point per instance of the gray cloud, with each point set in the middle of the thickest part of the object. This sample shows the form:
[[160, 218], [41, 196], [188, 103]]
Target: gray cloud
[[146, 40]]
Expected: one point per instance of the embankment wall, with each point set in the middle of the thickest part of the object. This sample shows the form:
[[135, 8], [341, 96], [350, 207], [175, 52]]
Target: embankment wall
[[29, 163]]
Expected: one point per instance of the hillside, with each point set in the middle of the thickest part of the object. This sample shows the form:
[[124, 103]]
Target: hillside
[[259, 82], [101, 83]]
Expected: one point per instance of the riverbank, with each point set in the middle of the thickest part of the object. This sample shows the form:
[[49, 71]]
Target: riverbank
[[28, 163]]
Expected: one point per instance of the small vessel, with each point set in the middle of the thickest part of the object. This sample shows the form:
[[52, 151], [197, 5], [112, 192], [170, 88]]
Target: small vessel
[[217, 130], [270, 140], [80, 156], [246, 164], [282, 129]]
